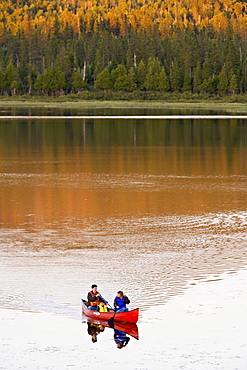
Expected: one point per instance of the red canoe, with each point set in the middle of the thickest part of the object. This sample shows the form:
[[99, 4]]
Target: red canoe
[[129, 316]]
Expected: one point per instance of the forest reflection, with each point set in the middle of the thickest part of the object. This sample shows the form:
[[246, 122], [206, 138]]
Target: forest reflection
[[181, 133], [57, 170]]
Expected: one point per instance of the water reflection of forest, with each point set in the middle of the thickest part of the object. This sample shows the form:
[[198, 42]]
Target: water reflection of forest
[[41, 135]]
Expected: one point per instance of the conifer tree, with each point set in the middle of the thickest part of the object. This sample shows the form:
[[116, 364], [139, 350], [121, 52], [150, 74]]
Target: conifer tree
[[121, 83], [243, 82], [232, 55], [197, 80], [77, 81], [187, 82], [141, 74], [125, 82], [38, 84], [152, 77], [233, 86], [132, 78], [118, 72], [104, 80], [223, 81], [176, 77], [207, 71], [2, 81], [163, 83], [11, 78], [52, 81]]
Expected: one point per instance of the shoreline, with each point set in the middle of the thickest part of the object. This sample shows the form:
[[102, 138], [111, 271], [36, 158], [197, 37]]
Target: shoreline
[[121, 104]]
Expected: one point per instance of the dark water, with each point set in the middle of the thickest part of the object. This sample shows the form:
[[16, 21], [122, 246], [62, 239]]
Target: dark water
[[145, 206]]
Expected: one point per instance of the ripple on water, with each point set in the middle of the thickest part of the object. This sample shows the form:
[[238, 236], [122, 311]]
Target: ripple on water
[[155, 256]]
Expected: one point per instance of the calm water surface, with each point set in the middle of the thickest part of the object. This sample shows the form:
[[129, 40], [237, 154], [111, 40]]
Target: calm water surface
[[148, 207]]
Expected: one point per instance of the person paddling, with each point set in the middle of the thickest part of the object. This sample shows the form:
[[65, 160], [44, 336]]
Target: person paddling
[[93, 298], [120, 302]]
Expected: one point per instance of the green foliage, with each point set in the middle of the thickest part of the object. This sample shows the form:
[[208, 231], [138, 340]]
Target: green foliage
[[223, 81], [2, 79], [52, 81], [118, 73], [197, 81], [187, 86], [176, 77], [104, 80], [190, 60], [152, 76], [11, 78], [141, 74], [163, 83], [233, 85], [77, 81], [122, 79]]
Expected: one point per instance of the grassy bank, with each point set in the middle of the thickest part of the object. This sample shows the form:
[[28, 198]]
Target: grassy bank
[[85, 99]]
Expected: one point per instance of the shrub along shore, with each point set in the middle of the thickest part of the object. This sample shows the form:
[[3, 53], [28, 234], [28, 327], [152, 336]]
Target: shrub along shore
[[107, 99]]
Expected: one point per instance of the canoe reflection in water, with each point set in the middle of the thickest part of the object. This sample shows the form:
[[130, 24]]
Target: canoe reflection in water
[[94, 329], [121, 338], [122, 330]]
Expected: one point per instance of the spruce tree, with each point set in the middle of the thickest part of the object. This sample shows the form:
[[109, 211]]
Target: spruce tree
[[38, 84], [2, 81], [233, 85], [152, 77], [197, 78], [223, 81], [163, 83], [77, 81], [53, 81], [141, 74], [207, 71], [187, 82], [176, 77], [11, 78], [104, 80], [132, 79], [118, 72]]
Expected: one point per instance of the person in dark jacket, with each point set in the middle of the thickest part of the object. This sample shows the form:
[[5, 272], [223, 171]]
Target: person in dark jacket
[[93, 298], [120, 302]]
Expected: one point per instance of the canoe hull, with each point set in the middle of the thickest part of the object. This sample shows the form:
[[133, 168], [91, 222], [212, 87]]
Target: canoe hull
[[129, 316]]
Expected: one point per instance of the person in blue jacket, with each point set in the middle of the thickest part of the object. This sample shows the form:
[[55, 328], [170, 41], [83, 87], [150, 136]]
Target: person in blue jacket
[[120, 302]]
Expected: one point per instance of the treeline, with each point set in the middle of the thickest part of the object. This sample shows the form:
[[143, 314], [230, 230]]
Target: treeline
[[62, 47], [200, 62]]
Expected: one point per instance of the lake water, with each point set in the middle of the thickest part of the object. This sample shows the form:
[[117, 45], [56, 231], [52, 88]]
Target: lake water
[[156, 208]]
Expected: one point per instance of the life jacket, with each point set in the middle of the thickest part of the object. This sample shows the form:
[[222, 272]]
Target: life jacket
[[102, 308], [94, 303]]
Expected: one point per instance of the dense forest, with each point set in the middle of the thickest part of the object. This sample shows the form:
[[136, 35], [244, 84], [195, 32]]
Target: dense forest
[[61, 47]]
